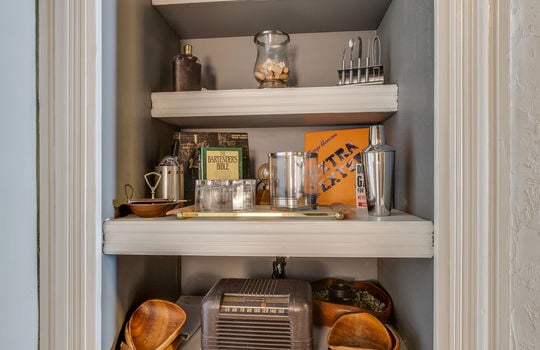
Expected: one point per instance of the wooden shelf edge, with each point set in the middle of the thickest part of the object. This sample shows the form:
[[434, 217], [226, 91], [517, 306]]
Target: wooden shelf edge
[[335, 105], [402, 236]]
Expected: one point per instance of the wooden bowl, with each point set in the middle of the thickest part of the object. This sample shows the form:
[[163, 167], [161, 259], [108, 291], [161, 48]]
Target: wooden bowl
[[396, 345], [359, 331], [152, 209], [326, 313], [154, 325]]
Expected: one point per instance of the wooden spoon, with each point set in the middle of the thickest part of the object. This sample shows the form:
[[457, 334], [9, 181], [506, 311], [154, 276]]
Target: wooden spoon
[[154, 325]]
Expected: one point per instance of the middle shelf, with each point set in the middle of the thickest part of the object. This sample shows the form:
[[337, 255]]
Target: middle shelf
[[304, 106], [398, 235]]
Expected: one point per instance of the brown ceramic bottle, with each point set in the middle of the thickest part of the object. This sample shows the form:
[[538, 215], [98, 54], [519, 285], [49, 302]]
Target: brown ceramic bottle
[[186, 71]]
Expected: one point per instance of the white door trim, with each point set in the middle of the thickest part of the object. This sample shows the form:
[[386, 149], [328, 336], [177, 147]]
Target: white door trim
[[471, 176], [69, 94], [472, 230]]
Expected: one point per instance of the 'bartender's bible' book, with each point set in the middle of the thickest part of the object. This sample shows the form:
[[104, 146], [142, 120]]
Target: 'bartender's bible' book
[[188, 153], [220, 163], [338, 152]]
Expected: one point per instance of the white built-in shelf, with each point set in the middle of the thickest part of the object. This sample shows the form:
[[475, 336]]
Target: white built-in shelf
[[305, 106], [226, 18], [398, 235]]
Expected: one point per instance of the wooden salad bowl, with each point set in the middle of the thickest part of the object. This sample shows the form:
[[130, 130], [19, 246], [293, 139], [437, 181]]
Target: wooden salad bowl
[[326, 313], [396, 344], [359, 331], [175, 345], [155, 325]]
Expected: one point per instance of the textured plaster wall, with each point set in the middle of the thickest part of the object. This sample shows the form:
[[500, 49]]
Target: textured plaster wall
[[525, 168]]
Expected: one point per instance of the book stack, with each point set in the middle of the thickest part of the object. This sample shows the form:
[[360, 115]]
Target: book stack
[[189, 154]]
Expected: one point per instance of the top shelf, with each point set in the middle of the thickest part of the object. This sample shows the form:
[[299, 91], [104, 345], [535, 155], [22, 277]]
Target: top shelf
[[229, 18], [309, 106]]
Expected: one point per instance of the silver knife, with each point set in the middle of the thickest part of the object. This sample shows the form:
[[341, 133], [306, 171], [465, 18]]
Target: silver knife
[[360, 50], [358, 69]]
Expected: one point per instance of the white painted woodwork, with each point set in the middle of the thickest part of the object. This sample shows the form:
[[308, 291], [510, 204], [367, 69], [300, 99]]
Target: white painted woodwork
[[228, 18], [306, 106], [69, 175], [471, 229], [399, 235]]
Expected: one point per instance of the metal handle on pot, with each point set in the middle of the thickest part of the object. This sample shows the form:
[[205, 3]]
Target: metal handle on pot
[[152, 188], [128, 190]]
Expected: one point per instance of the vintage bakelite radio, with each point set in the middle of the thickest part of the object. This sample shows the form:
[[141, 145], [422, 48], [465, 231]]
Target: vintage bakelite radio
[[257, 314]]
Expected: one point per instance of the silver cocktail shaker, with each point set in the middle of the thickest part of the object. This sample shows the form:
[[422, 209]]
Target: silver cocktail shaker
[[378, 159], [171, 186]]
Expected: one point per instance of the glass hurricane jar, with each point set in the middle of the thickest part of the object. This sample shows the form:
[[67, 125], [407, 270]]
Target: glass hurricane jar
[[271, 68]]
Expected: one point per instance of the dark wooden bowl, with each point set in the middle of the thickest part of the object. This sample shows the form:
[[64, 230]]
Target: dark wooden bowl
[[326, 313]]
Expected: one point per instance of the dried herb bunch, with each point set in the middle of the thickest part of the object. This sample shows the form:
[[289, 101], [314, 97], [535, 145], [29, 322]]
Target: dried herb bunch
[[362, 299]]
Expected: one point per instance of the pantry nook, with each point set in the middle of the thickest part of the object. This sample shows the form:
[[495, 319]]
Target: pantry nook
[[89, 279]]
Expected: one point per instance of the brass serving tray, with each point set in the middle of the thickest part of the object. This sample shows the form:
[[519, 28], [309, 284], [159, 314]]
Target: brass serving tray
[[259, 212]]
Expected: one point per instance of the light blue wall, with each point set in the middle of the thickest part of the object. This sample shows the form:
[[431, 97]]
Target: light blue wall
[[18, 182]]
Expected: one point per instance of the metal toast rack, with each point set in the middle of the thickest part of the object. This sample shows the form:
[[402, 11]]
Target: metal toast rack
[[363, 71]]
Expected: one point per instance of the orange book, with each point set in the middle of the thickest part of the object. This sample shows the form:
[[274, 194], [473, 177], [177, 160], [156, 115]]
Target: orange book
[[338, 153]]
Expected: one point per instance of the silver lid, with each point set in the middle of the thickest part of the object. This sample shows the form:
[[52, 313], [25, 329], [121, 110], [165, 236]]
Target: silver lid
[[293, 154], [377, 140], [376, 135]]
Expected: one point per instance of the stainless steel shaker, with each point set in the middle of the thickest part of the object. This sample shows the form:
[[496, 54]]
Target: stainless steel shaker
[[171, 186], [378, 159]]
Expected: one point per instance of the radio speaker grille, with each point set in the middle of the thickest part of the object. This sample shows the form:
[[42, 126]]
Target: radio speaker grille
[[253, 334]]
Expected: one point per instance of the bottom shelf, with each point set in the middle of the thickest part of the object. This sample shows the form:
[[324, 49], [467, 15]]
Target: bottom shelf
[[191, 329]]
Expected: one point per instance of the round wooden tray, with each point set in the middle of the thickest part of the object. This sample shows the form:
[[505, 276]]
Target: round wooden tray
[[326, 313]]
